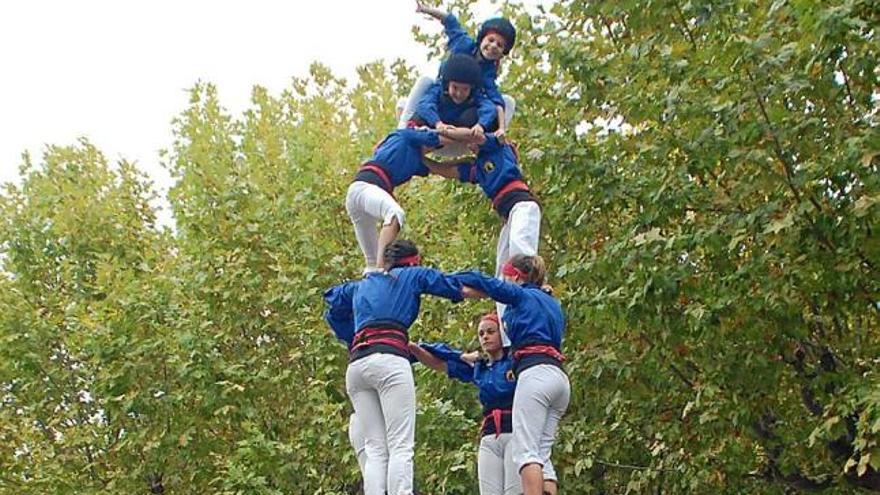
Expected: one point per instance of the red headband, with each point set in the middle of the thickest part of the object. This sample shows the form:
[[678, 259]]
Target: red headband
[[512, 271], [493, 317], [412, 260]]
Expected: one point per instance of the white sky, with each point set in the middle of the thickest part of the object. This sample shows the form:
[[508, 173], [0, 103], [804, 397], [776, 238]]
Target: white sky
[[116, 71]]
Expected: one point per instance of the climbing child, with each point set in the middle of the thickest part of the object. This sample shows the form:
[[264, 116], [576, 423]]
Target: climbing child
[[370, 200]]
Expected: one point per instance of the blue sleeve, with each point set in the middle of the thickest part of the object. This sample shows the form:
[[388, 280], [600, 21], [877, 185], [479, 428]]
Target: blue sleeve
[[427, 106], [491, 89], [459, 370], [503, 292], [491, 145], [457, 40], [455, 367], [340, 313], [486, 111], [467, 173], [421, 137], [437, 283], [442, 351]]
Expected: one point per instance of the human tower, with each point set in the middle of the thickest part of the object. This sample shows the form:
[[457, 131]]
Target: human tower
[[455, 127]]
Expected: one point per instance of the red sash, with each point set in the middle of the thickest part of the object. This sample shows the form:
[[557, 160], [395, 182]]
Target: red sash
[[514, 185], [380, 172], [495, 415], [388, 336], [531, 350]]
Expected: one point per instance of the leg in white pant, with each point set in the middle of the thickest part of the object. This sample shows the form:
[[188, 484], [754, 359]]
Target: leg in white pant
[[357, 440], [412, 101], [519, 235], [495, 471], [541, 399], [382, 390], [368, 204], [509, 108]]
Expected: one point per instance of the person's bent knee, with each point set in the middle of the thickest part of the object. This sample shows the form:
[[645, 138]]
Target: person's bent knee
[[395, 218], [531, 462]]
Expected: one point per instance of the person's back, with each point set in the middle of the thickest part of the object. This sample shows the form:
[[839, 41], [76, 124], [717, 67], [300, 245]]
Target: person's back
[[536, 317], [395, 296]]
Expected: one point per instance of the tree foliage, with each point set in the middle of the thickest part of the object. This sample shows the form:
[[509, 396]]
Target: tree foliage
[[708, 173]]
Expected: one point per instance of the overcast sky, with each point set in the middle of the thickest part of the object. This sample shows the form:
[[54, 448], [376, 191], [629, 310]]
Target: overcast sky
[[116, 71]]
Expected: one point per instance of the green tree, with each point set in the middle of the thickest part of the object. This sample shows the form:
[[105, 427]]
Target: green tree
[[708, 174]]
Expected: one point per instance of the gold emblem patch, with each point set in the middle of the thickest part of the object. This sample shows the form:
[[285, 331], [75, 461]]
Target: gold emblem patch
[[488, 166]]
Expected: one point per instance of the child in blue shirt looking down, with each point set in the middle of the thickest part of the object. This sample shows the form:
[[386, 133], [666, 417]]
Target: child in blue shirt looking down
[[456, 101]]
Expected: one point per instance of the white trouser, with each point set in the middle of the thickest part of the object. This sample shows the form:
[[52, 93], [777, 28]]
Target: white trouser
[[497, 472], [519, 235], [412, 101], [358, 441], [382, 389], [539, 402], [368, 204]]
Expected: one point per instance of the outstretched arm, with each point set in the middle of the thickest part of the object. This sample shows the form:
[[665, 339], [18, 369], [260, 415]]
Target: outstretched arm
[[436, 13], [503, 292], [449, 169], [442, 357], [426, 358], [500, 133], [471, 293]]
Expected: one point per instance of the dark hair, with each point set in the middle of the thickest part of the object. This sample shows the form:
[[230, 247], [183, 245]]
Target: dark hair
[[532, 266], [398, 250]]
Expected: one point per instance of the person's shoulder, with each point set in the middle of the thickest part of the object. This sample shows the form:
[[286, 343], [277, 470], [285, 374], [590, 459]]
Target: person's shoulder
[[410, 272]]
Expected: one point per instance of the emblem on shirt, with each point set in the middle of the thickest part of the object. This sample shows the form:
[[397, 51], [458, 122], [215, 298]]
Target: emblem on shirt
[[510, 376], [488, 166]]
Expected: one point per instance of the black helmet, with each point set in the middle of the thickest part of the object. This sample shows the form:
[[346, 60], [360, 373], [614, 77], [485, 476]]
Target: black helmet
[[461, 68], [501, 26]]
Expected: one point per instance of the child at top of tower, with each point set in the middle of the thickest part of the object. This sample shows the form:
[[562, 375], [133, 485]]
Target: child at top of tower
[[494, 40]]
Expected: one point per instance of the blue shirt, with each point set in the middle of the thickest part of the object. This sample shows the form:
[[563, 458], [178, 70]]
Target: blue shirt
[[532, 316], [458, 41], [381, 298], [436, 105], [496, 165], [493, 379], [400, 153]]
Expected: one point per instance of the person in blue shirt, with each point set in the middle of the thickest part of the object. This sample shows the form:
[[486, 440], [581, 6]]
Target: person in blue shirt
[[344, 332], [496, 170], [378, 311], [497, 473], [370, 200], [535, 324], [456, 100], [494, 40]]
